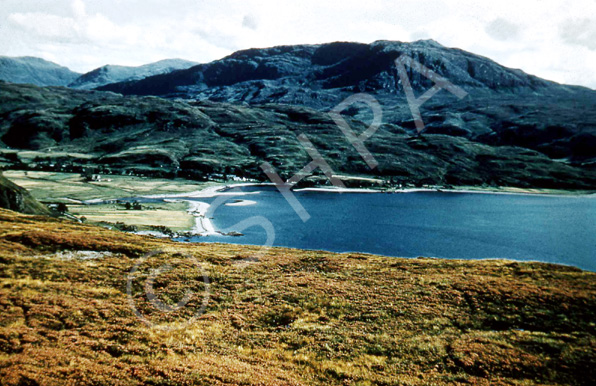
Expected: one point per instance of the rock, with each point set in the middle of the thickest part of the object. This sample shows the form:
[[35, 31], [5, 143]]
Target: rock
[[17, 199]]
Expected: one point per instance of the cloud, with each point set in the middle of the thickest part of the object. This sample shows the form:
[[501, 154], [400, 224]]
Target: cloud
[[79, 9], [502, 29], [81, 28], [581, 32], [50, 27], [551, 39], [250, 22]]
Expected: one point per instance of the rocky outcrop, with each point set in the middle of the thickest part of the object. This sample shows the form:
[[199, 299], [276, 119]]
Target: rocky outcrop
[[17, 199]]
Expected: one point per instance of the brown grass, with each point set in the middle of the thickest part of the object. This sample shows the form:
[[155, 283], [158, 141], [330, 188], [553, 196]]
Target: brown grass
[[291, 318]]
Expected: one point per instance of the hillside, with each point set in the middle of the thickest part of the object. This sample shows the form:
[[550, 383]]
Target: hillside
[[67, 130], [35, 71], [329, 68], [113, 74], [15, 198], [289, 318], [503, 107]]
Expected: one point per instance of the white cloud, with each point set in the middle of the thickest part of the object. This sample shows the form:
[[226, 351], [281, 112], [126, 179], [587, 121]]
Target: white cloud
[[44, 25], [581, 32], [502, 29], [249, 21], [551, 39], [79, 9]]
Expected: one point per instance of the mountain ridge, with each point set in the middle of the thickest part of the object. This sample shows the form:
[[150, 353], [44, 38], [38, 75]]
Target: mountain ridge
[[115, 73], [331, 58], [229, 115], [40, 72], [33, 70], [504, 107]]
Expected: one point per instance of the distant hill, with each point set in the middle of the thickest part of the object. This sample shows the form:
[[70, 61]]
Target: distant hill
[[71, 130], [112, 74], [15, 198], [35, 71], [504, 106], [40, 72], [512, 128], [320, 75]]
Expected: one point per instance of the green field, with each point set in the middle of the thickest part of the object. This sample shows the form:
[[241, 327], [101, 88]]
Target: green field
[[171, 215], [66, 187], [73, 189]]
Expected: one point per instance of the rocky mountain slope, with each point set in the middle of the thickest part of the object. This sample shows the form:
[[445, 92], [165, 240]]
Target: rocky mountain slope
[[64, 129], [35, 71], [503, 107], [290, 73], [112, 74]]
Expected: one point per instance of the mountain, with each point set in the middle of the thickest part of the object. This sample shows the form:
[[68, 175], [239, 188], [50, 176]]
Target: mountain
[[319, 75], [35, 71], [112, 74], [15, 198], [30, 70], [70, 130], [503, 107]]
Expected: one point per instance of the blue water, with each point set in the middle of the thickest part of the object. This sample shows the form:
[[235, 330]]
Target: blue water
[[552, 229]]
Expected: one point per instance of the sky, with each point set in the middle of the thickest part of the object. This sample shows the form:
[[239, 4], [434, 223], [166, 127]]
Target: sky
[[555, 40]]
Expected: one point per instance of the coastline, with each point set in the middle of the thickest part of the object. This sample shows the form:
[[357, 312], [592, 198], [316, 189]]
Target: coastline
[[462, 189], [199, 209], [204, 226]]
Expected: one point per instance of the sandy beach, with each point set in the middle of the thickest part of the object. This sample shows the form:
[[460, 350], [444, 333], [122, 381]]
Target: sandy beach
[[203, 224]]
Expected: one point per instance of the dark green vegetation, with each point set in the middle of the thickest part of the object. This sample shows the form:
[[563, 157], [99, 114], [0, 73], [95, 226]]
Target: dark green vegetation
[[512, 129], [15, 198], [67, 130], [290, 318]]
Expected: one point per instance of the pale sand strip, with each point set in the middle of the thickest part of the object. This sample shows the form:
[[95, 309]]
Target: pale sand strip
[[203, 225], [241, 203]]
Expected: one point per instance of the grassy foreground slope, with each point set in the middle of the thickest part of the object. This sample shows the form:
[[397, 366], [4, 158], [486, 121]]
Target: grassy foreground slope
[[290, 318]]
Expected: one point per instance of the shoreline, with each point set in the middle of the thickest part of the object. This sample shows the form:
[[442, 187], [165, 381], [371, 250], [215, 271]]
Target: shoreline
[[204, 226], [199, 209], [462, 189]]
